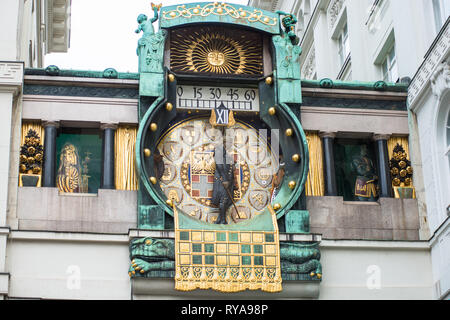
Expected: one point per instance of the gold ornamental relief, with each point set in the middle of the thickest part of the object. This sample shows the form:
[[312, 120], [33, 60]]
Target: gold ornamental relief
[[219, 9], [216, 50], [216, 58]]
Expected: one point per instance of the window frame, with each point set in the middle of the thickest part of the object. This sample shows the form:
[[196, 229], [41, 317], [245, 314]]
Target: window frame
[[343, 44], [388, 65]]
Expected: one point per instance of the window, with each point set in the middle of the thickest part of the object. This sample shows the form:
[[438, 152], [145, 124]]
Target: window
[[441, 11], [389, 66], [344, 45]]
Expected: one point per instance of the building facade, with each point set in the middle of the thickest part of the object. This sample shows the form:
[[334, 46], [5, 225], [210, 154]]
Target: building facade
[[429, 110], [72, 238], [370, 41], [30, 29], [363, 40]]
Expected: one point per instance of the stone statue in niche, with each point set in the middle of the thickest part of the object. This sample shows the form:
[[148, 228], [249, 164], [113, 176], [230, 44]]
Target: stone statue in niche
[[151, 45], [366, 184], [69, 171]]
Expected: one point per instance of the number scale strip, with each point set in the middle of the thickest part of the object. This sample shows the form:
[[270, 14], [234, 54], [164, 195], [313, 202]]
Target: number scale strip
[[207, 98]]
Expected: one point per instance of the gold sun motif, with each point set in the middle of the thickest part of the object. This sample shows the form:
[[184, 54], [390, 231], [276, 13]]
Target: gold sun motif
[[216, 50]]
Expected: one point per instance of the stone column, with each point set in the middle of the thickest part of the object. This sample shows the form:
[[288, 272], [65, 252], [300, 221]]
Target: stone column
[[109, 131], [49, 166], [328, 162], [384, 174]]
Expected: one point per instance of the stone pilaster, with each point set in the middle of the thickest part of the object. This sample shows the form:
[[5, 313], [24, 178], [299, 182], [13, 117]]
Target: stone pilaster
[[328, 160], [109, 131], [11, 83], [384, 174]]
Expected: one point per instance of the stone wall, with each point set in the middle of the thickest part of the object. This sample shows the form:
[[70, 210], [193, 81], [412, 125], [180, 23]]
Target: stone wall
[[109, 211], [387, 219], [115, 211]]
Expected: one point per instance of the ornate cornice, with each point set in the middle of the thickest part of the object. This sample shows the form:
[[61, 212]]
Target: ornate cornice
[[331, 135], [113, 126], [378, 136], [50, 123], [57, 20], [429, 68], [11, 76], [219, 9]]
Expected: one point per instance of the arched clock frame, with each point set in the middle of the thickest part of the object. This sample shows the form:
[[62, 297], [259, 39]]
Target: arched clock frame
[[277, 82]]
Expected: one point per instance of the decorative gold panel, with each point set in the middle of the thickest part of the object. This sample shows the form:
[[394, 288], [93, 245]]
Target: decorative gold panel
[[216, 50]]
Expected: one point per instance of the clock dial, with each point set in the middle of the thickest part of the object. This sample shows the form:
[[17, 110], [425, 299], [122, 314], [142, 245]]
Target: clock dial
[[190, 147]]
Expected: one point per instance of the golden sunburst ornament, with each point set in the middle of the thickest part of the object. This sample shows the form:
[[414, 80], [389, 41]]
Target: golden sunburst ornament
[[216, 50]]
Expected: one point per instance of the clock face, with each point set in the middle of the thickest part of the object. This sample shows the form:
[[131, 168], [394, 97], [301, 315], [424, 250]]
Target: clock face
[[188, 155]]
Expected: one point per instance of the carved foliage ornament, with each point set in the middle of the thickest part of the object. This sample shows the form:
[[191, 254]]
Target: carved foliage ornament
[[31, 154], [219, 9], [309, 68], [440, 80], [334, 11]]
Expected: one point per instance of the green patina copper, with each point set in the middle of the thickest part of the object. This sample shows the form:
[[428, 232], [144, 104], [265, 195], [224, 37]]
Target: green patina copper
[[287, 91], [355, 85], [219, 12], [55, 71], [155, 258], [299, 261]]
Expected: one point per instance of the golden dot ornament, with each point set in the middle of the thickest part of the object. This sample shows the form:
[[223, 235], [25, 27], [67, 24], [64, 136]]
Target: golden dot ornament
[[289, 132], [272, 111], [169, 106], [296, 158], [153, 127], [394, 171], [147, 152], [269, 81], [153, 180], [171, 77], [292, 185], [396, 182], [31, 150], [277, 206]]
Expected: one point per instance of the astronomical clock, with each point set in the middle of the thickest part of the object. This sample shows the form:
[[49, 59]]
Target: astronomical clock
[[221, 153]]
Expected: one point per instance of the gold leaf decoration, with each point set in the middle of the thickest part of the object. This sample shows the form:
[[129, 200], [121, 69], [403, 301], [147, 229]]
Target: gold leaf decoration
[[216, 50], [219, 9]]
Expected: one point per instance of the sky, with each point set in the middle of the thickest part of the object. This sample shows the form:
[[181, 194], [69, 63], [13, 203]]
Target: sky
[[102, 34]]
